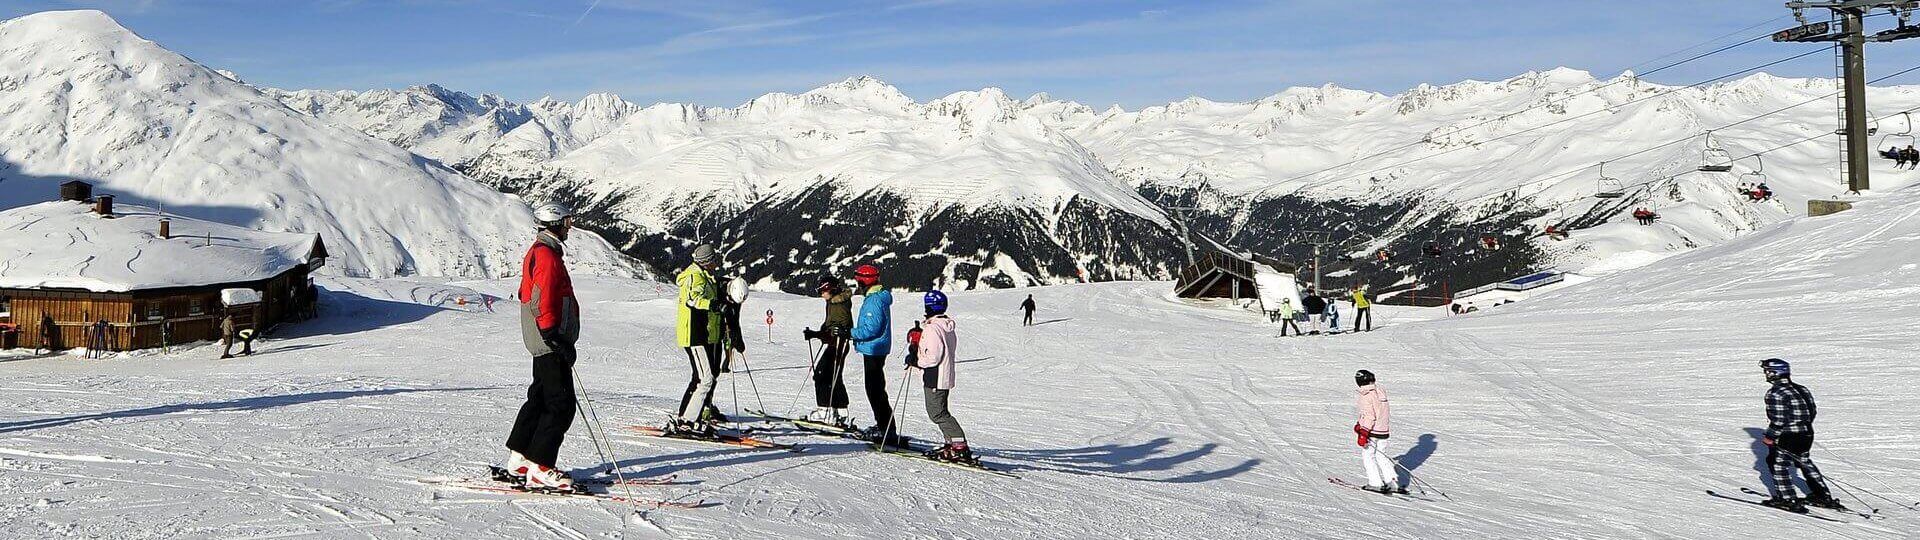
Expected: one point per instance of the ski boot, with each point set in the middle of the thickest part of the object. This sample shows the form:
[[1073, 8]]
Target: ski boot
[[882, 436], [821, 415], [516, 470], [542, 478], [1789, 504], [1823, 500], [953, 452], [712, 415], [691, 430]]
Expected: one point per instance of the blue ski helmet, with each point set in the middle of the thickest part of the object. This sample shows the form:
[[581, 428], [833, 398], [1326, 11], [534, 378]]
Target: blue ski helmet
[[936, 302], [1775, 369]]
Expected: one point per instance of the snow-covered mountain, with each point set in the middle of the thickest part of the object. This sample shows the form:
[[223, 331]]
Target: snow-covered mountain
[[1044, 191], [85, 98], [966, 187]]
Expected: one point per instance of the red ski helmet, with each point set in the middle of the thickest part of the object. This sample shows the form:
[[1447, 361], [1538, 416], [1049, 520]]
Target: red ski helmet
[[866, 275]]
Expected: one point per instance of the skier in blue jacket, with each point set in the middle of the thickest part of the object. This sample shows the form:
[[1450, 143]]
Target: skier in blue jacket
[[873, 338]]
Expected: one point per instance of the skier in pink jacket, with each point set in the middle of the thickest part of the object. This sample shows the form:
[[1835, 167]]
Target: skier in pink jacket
[[931, 350], [1372, 430]]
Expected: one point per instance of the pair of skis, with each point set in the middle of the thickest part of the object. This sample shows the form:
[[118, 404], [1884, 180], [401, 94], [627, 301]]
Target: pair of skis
[[1397, 492], [1802, 510], [854, 434], [500, 482]]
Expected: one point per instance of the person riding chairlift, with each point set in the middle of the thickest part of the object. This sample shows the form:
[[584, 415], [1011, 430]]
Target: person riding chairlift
[[1488, 241], [1910, 156], [1645, 216]]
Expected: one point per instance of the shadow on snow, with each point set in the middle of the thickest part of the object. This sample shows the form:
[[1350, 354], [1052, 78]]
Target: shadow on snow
[[240, 404], [1120, 461]]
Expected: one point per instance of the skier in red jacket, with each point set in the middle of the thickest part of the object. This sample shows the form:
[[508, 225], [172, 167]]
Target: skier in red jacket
[[549, 324]]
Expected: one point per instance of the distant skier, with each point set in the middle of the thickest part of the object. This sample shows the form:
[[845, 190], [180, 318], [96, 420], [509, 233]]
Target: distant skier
[[932, 345], [1362, 309], [1286, 318], [49, 333], [1912, 155], [1316, 308], [227, 336], [698, 331], [873, 337], [1372, 430], [1027, 307], [829, 385], [1789, 440], [1333, 316], [549, 326], [98, 348]]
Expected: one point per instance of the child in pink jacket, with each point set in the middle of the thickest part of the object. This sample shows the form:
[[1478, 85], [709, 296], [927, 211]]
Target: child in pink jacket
[[1372, 430], [933, 353]]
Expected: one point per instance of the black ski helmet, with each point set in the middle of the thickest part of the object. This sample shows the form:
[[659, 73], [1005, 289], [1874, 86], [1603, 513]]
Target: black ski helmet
[[1776, 369], [1362, 377]]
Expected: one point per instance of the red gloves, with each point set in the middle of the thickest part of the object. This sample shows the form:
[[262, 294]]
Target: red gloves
[[913, 336], [1364, 436]]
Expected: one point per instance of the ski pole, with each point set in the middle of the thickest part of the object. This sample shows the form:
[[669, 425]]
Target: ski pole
[[1875, 477], [750, 384], [594, 418], [814, 359], [894, 422], [1808, 464], [1416, 478]]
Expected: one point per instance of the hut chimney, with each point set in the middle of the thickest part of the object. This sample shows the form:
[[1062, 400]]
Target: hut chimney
[[166, 228], [103, 205]]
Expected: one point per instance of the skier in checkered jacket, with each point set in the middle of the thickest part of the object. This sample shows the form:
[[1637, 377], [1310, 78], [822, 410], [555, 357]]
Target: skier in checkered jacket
[[1789, 438]]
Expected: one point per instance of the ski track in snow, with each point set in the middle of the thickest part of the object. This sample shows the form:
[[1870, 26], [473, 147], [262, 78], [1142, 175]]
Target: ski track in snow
[[1132, 416]]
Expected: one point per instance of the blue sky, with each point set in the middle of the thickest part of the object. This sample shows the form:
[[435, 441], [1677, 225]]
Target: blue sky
[[1130, 52]]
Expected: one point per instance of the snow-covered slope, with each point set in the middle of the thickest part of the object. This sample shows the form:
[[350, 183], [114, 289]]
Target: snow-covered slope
[[1603, 411], [84, 98], [451, 127]]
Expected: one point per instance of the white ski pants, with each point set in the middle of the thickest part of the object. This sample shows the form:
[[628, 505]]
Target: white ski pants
[[1379, 468]]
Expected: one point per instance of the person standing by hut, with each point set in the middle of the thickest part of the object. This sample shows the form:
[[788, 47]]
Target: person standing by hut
[[49, 332], [549, 326], [226, 335]]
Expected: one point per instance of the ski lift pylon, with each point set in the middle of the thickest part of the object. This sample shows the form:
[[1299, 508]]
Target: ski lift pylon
[[1610, 188], [1714, 158]]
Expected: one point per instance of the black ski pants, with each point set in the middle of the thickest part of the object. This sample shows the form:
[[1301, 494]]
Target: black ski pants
[[1364, 316], [1288, 322], [829, 379], [548, 412], [1028, 321], [876, 375], [1782, 465]]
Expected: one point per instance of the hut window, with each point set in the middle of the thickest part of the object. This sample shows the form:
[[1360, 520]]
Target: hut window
[[196, 306], [153, 311], [6, 306]]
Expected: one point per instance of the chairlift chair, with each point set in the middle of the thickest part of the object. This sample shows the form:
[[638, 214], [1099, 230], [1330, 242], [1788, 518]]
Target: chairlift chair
[[1714, 158], [1610, 188], [1906, 132]]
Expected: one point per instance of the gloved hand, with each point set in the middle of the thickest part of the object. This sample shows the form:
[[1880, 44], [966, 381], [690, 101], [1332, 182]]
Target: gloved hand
[[912, 358], [1362, 434], [809, 334], [1767, 441], [913, 336], [837, 331]]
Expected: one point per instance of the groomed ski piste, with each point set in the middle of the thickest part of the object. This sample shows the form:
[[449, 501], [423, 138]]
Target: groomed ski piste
[[1603, 410]]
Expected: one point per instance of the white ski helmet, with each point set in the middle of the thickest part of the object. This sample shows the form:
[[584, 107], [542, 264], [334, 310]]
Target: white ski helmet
[[737, 290], [552, 213]]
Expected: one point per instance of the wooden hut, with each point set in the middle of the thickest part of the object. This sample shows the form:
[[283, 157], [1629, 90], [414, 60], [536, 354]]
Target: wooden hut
[[156, 279]]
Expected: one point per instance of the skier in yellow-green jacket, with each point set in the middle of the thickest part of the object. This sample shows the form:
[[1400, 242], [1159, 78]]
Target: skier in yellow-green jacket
[[699, 331], [1363, 309]]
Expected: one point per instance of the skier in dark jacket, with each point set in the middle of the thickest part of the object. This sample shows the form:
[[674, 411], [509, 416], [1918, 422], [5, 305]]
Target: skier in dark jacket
[[1316, 308], [1789, 438], [829, 382], [549, 325], [49, 331], [1027, 307]]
